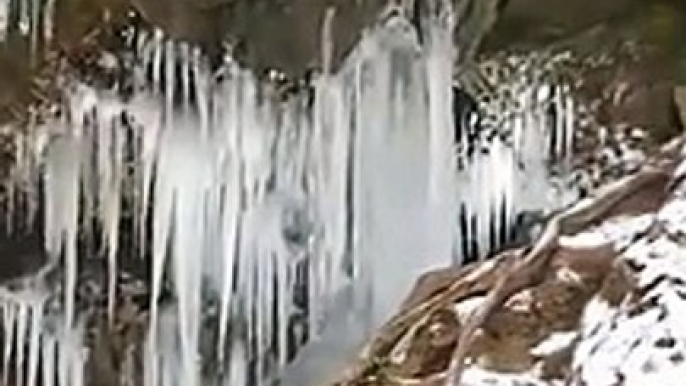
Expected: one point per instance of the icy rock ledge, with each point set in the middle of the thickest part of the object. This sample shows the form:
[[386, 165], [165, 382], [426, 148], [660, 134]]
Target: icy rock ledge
[[605, 309]]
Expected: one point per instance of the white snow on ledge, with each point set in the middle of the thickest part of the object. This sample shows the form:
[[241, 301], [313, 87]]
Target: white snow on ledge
[[643, 341], [477, 377]]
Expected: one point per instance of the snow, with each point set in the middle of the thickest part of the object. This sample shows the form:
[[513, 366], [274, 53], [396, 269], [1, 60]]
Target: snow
[[474, 376], [642, 342]]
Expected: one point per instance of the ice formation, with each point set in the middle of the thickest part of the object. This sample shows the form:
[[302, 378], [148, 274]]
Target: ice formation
[[505, 158], [38, 350], [4, 16], [280, 223], [31, 19]]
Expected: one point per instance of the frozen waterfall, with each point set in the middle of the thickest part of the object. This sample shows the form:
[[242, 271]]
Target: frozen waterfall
[[278, 234]]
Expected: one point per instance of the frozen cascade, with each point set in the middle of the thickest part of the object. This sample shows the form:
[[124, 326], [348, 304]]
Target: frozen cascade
[[281, 229]]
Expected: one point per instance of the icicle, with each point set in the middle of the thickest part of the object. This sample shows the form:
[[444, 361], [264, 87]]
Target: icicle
[[70, 355], [62, 207], [25, 17], [157, 51], [185, 62], [110, 149], [440, 57], [9, 311], [127, 376], [34, 21], [568, 110], [35, 341], [48, 360], [148, 114], [201, 90], [35, 144], [4, 18], [11, 184], [113, 213], [169, 91], [23, 316], [62, 359], [190, 183], [230, 217], [161, 224], [49, 21]]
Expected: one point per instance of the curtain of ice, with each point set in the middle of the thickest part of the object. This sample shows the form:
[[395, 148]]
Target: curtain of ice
[[274, 221], [230, 172], [234, 172]]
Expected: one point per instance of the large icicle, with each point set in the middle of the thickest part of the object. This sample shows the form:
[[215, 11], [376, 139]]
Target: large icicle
[[4, 18], [23, 316], [9, 312], [48, 360], [110, 152], [35, 341], [62, 180]]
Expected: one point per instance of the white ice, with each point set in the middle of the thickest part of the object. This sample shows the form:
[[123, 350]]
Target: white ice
[[366, 177]]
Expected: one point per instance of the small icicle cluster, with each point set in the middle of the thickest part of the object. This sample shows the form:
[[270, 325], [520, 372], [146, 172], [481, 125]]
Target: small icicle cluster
[[511, 139], [37, 348], [32, 19]]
